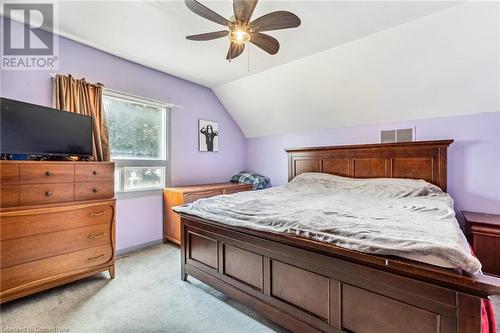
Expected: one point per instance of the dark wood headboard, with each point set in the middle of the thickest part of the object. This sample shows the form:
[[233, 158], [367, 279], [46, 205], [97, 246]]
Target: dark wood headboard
[[416, 160]]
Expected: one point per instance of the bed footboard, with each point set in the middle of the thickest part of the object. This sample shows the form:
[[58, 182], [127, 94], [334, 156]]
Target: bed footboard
[[307, 291]]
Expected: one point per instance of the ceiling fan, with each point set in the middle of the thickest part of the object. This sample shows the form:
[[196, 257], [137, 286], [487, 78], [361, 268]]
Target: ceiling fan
[[241, 30]]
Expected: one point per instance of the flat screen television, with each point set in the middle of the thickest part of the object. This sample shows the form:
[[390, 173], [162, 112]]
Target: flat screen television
[[38, 130]]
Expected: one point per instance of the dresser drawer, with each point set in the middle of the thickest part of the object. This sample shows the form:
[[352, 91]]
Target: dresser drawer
[[9, 173], [9, 195], [43, 173], [39, 221], [191, 197], [46, 193], [103, 172], [94, 190], [20, 250], [54, 267]]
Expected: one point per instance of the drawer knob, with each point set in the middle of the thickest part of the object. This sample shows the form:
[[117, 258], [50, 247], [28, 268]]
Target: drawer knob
[[48, 194], [96, 258], [94, 172], [48, 173], [97, 214], [95, 190], [93, 236]]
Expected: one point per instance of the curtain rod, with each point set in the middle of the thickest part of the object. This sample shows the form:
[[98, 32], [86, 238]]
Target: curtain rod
[[117, 92]]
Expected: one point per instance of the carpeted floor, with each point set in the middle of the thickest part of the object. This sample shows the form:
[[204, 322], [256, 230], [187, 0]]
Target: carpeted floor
[[147, 295]]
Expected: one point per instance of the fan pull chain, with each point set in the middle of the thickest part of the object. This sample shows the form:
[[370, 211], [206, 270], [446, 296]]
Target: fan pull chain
[[248, 58]]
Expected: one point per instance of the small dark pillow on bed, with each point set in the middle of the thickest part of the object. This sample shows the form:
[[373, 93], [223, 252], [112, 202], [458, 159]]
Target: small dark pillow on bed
[[259, 182]]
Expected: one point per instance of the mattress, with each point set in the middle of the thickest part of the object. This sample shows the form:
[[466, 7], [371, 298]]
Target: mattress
[[412, 219]]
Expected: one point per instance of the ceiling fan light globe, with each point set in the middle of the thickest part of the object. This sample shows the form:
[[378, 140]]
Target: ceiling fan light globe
[[239, 36]]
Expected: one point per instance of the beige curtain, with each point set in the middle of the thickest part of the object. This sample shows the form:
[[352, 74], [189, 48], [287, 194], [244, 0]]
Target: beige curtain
[[79, 96]]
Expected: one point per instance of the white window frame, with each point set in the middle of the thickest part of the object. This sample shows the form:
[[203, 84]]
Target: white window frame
[[163, 161]]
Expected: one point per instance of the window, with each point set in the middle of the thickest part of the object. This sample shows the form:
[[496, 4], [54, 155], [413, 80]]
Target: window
[[138, 140], [139, 178]]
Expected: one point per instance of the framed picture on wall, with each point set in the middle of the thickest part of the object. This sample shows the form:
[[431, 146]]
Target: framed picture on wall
[[208, 133]]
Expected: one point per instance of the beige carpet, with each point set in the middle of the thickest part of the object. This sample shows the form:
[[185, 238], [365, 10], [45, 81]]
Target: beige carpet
[[147, 295]]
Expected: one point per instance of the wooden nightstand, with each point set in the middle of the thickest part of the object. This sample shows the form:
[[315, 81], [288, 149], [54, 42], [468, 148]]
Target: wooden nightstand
[[485, 231], [175, 196]]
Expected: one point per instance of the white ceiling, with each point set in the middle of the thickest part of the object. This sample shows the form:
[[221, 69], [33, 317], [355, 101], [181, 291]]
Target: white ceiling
[[349, 63], [444, 64], [153, 33]]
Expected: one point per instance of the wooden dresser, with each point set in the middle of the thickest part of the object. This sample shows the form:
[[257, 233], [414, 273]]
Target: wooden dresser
[[176, 196], [485, 232], [57, 224]]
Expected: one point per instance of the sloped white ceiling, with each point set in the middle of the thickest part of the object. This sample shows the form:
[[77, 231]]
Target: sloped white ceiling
[[153, 33], [349, 63], [443, 64]]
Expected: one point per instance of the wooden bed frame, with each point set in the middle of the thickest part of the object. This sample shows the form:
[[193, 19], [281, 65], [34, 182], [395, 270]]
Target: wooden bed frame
[[307, 286]]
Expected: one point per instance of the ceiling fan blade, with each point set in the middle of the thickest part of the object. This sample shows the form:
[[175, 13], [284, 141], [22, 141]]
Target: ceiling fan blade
[[265, 42], [209, 35], [243, 9], [275, 21], [235, 50], [206, 12]]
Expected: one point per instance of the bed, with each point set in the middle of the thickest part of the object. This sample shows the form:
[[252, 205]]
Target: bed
[[307, 284]]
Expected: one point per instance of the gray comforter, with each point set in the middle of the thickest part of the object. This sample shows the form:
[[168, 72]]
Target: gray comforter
[[406, 218]]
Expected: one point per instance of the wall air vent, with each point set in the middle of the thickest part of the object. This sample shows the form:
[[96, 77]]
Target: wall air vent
[[398, 135], [388, 136]]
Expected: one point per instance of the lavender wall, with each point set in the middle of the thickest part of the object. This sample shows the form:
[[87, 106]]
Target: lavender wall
[[473, 160], [139, 220]]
